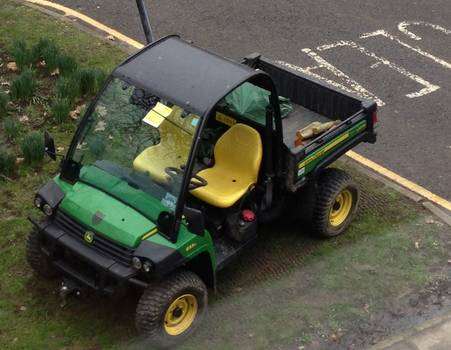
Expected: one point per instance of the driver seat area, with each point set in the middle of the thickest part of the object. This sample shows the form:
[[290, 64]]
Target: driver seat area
[[238, 155], [172, 150]]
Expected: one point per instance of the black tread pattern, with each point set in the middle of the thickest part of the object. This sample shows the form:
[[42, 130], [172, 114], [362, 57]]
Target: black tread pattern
[[157, 298], [330, 183], [36, 258]]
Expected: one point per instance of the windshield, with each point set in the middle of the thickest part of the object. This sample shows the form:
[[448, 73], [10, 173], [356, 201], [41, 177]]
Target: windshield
[[128, 143]]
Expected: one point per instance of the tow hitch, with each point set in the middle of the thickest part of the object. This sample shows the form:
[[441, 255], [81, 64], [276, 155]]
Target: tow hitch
[[68, 288]]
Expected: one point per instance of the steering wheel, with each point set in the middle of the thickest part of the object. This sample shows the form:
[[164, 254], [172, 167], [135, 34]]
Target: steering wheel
[[195, 182], [173, 171]]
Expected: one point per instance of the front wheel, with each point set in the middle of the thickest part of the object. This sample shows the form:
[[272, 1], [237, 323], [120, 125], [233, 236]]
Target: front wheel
[[169, 311], [36, 257], [336, 203]]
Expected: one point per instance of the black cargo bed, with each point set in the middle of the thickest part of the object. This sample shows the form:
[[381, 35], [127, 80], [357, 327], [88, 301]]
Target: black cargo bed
[[298, 119]]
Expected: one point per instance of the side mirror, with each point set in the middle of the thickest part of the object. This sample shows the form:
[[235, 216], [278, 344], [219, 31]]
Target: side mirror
[[165, 223], [49, 145], [195, 219]]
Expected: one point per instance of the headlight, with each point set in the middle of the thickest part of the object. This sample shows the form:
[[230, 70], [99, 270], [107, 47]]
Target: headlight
[[147, 266], [47, 209], [38, 202], [136, 262]]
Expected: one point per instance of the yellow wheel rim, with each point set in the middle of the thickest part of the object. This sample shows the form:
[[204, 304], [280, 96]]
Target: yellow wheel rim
[[341, 208], [181, 314]]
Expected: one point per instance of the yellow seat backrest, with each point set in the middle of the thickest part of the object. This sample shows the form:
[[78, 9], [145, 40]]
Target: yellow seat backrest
[[240, 149], [176, 135]]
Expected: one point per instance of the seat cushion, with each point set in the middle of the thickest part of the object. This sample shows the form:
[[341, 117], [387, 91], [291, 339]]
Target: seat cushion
[[224, 187]]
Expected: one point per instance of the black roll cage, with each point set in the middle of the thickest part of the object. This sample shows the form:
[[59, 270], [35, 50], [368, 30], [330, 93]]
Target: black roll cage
[[70, 170], [262, 80]]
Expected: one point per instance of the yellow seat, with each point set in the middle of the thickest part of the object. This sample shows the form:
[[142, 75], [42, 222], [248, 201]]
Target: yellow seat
[[172, 150], [238, 155]]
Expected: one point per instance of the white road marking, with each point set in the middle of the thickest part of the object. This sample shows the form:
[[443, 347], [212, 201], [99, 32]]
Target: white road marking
[[385, 34], [353, 86], [428, 87], [403, 28]]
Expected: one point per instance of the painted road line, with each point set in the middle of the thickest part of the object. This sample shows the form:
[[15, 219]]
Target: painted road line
[[427, 86], [400, 180], [385, 34], [403, 28], [351, 154], [72, 13]]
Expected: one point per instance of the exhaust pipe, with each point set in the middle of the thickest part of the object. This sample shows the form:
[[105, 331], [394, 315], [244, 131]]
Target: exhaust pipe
[[145, 21]]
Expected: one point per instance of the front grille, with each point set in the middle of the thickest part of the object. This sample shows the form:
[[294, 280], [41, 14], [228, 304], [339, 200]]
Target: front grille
[[103, 245]]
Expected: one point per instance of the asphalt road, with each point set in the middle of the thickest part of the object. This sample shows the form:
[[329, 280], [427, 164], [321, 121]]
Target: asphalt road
[[415, 122]]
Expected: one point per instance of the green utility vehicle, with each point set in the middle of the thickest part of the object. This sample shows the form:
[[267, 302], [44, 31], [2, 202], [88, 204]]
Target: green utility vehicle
[[173, 167]]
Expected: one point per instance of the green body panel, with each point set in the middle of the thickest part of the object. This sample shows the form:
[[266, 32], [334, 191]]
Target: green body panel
[[125, 225], [121, 223], [311, 161], [143, 202], [189, 244]]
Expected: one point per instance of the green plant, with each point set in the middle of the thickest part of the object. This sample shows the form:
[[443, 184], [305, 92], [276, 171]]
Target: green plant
[[60, 110], [67, 65], [4, 99], [24, 86], [88, 81], [101, 77], [11, 128], [68, 88], [33, 147], [21, 54], [51, 55], [7, 162], [40, 48]]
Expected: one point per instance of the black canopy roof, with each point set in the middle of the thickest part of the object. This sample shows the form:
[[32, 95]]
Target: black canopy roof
[[186, 75]]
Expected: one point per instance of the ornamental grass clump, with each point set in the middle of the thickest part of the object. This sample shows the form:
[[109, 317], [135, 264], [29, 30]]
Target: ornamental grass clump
[[51, 56], [23, 87], [7, 162], [40, 48], [88, 81], [11, 128], [21, 54], [68, 88], [67, 65], [33, 148], [60, 110], [4, 100]]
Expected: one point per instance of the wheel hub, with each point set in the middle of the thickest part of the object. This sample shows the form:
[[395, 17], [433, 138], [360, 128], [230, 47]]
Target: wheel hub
[[181, 314], [341, 208]]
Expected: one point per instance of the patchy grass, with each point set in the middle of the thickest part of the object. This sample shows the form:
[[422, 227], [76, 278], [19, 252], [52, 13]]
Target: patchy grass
[[23, 23]]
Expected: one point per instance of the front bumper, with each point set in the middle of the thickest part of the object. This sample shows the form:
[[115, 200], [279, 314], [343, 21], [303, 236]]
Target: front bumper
[[83, 263]]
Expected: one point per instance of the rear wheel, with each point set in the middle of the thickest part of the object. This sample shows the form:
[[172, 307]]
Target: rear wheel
[[36, 257], [336, 203], [169, 311]]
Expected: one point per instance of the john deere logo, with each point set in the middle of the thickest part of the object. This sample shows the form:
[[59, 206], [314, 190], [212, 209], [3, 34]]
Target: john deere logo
[[89, 237]]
